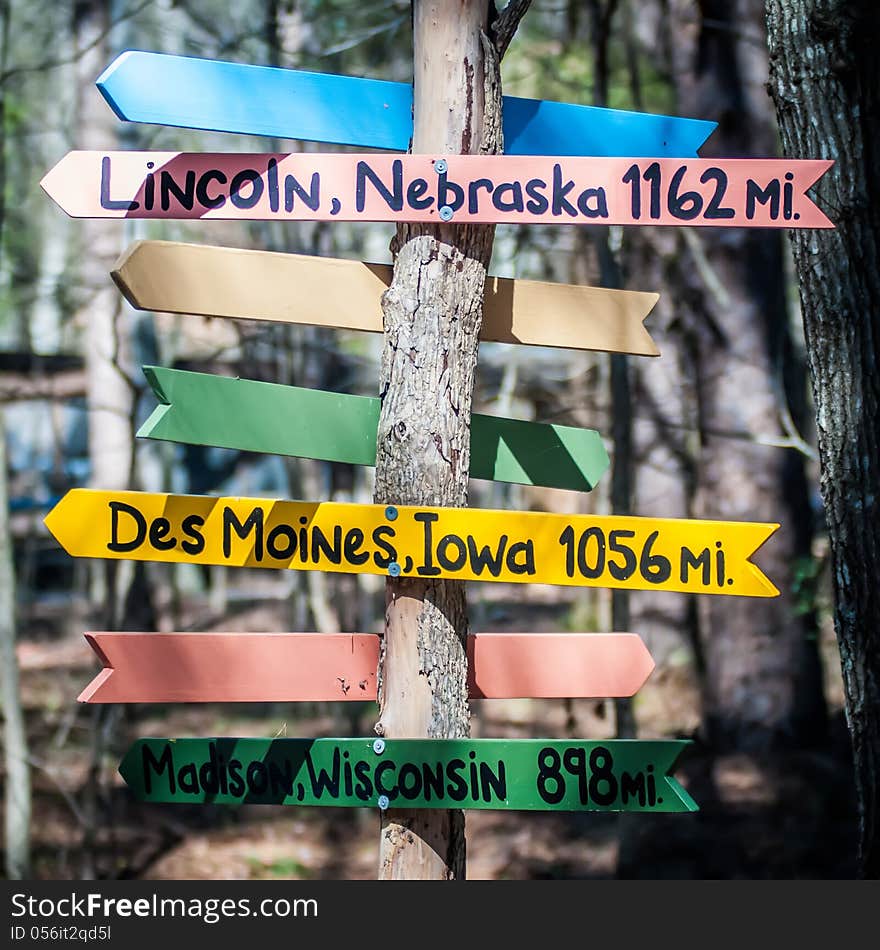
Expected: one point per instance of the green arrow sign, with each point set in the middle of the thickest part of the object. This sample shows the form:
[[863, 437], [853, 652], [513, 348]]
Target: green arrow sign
[[516, 774], [202, 409]]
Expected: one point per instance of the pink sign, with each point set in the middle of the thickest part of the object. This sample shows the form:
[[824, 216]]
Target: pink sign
[[492, 189], [316, 667]]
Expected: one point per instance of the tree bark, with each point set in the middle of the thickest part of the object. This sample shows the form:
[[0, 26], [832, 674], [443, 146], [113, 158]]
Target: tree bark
[[758, 663], [825, 81], [432, 315], [17, 798]]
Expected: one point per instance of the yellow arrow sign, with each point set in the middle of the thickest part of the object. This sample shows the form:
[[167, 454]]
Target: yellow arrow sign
[[170, 277], [704, 557]]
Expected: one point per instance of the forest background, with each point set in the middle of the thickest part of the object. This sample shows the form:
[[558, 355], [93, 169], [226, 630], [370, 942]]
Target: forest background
[[721, 425]]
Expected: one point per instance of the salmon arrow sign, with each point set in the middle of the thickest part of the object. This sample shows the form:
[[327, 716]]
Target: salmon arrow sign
[[487, 189], [171, 277], [520, 774], [218, 96], [323, 667], [250, 416], [705, 557]]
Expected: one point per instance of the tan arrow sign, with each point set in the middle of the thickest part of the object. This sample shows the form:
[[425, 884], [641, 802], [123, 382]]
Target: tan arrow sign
[[170, 277]]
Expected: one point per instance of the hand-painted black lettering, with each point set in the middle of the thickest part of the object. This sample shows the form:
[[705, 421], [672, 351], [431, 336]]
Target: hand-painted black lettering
[[444, 187], [257, 777], [321, 547], [190, 527], [188, 778], [560, 190], [281, 783], [702, 560], [160, 765], [714, 209], [632, 786], [474, 193], [508, 196], [756, 195], [549, 772], [364, 787], [281, 542], [448, 563], [409, 781], [253, 522], [655, 568], [209, 772], [621, 572], [324, 780], [389, 551], [106, 201], [538, 203], [121, 547], [247, 176], [394, 199], [456, 786], [603, 784], [236, 782], [272, 185], [485, 557], [574, 761], [311, 198], [386, 765], [686, 206], [527, 564], [593, 203], [158, 534], [168, 186], [493, 781], [594, 571], [205, 179], [354, 538], [432, 780], [427, 518], [414, 194]]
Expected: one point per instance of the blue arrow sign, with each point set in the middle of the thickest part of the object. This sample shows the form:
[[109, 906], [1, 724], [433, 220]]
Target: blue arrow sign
[[216, 96]]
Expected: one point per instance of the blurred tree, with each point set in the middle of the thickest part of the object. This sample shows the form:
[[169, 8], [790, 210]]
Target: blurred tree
[[825, 81]]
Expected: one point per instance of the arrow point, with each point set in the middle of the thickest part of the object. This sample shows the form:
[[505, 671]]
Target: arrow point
[[707, 127]]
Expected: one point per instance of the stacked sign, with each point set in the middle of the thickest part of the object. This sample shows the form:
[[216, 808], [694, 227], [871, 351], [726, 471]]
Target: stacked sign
[[642, 169]]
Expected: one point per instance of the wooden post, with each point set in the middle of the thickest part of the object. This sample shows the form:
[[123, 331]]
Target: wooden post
[[432, 312]]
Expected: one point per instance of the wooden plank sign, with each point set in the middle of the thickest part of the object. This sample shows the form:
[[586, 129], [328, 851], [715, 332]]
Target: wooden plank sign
[[516, 774], [705, 557], [321, 667], [489, 189], [172, 277], [193, 93], [203, 409]]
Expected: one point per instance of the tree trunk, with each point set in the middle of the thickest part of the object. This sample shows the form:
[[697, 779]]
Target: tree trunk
[[432, 314], [17, 799], [761, 679], [825, 81]]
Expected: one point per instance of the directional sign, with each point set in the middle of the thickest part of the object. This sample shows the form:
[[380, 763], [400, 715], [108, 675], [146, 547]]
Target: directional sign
[[171, 277], [366, 113], [491, 189], [202, 409], [517, 774], [321, 667], [706, 557]]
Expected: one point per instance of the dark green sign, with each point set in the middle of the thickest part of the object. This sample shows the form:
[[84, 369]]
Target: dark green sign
[[518, 774]]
